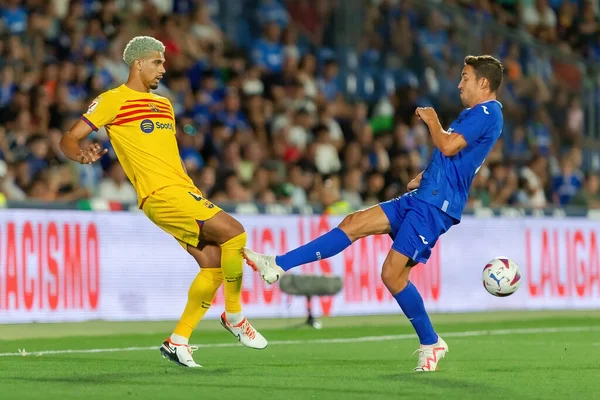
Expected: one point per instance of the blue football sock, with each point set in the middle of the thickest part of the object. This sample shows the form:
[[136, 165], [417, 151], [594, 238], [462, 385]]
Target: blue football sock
[[411, 303], [325, 246]]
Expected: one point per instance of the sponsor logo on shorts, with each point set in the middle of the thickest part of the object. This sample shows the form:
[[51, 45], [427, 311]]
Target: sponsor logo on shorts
[[197, 197]]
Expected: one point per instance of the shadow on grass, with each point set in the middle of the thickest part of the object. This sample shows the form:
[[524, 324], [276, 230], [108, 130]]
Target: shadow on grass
[[388, 385], [145, 379]]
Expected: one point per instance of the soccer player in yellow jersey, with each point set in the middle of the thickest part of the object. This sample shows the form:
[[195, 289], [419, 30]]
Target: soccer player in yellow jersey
[[141, 128]]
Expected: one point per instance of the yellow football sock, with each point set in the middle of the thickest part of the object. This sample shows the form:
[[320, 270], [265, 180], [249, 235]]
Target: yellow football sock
[[232, 265], [200, 296]]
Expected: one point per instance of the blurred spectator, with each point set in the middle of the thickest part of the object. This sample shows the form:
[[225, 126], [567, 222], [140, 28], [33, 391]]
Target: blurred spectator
[[572, 135], [326, 158], [204, 29], [8, 85], [306, 75], [434, 37], [231, 115], [14, 17], [539, 19], [271, 11], [252, 157], [352, 187], [531, 188], [310, 16], [207, 179], [374, 189], [569, 181], [540, 133], [299, 183], [331, 199], [518, 150], [268, 51], [116, 187], [300, 133], [503, 184], [480, 195], [9, 189], [589, 195], [328, 83]]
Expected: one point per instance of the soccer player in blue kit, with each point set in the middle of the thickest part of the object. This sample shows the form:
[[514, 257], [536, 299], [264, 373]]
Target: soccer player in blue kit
[[434, 203]]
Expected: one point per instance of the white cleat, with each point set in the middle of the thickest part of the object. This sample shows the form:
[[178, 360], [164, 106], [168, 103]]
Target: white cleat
[[429, 356], [265, 265], [179, 353], [245, 333]]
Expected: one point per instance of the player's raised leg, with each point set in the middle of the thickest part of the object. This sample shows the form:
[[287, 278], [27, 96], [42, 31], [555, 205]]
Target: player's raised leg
[[200, 296], [370, 221], [395, 275], [229, 234]]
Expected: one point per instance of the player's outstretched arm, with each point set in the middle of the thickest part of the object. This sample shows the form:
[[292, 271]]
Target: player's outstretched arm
[[415, 182], [448, 143], [69, 144]]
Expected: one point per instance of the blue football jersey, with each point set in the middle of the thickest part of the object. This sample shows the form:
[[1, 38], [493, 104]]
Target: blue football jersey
[[447, 180]]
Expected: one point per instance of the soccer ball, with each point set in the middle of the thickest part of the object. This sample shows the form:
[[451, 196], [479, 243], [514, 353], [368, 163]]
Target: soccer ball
[[501, 277]]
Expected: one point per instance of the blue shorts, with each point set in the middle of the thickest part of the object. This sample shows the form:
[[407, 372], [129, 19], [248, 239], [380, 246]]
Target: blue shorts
[[416, 226]]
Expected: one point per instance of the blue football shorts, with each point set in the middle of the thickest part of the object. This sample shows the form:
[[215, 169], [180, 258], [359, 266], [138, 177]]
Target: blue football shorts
[[416, 226]]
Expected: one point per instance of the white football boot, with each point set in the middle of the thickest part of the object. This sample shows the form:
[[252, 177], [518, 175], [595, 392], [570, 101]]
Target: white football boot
[[179, 353], [245, 333], [430, 355], [265, 265]]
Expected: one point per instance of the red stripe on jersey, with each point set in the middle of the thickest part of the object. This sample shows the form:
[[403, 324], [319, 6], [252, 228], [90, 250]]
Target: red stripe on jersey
[[148, 101], [138, 117], [145, 107], [143, 110]]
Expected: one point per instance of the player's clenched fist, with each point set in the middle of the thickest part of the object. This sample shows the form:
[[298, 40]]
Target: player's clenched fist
[[427, 115], [92, 154]]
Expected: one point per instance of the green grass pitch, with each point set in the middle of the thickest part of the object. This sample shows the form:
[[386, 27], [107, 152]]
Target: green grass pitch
[[522, 355]]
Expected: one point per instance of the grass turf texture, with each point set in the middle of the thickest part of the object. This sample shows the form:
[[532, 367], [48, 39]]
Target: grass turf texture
[[519, 358]]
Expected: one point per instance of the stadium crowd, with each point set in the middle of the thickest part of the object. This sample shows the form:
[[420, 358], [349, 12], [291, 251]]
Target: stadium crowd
[[282, 115]]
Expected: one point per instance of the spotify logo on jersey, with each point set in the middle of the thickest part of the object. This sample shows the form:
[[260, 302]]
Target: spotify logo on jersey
[[147, 126], [168, 125]]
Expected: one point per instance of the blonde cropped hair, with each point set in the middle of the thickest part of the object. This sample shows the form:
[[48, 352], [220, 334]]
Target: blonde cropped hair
[[140, 47]]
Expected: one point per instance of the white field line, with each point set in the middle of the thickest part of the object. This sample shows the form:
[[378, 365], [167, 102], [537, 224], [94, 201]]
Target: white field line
[[496, 332]]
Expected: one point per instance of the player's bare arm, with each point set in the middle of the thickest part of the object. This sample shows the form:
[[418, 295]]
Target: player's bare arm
[[414, 183], [448, 143], [69, 144]]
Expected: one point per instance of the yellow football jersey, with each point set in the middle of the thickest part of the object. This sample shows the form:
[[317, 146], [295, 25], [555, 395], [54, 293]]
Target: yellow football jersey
[[141, 129]]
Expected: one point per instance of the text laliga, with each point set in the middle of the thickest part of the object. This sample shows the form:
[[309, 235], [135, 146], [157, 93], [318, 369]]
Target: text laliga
[[563, 263], [49, 266]]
